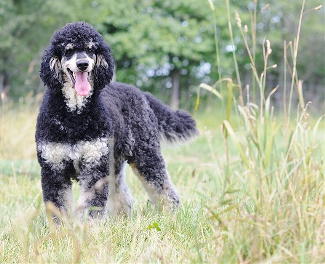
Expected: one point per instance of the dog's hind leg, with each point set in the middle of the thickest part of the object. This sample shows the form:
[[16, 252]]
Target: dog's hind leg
[[152, 172]]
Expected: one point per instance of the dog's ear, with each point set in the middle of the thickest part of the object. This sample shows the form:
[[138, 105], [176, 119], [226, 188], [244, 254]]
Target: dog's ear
[[51, 69], [104, 67]]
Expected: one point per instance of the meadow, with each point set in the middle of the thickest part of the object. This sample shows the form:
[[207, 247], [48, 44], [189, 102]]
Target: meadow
[[251, 186], [252, 194]]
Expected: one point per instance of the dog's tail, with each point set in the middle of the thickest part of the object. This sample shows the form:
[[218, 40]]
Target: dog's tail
[[174, 126]]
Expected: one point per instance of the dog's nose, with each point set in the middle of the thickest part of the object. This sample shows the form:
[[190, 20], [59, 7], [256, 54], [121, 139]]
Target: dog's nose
[[82, 64]]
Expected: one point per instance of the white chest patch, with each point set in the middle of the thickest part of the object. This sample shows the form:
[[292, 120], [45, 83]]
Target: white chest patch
[[88, 152], [74, 101]]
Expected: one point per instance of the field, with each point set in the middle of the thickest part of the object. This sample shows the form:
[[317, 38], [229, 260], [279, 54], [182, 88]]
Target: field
[[241, 201], [251, 185]]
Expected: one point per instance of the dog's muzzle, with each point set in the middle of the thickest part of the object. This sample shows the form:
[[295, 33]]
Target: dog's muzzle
[[79, 70]]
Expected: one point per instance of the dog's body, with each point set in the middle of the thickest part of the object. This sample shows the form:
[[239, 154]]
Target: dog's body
[[89, 128]]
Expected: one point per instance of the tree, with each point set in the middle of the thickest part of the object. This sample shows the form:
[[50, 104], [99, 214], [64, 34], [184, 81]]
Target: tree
[[276, 21], [166, 47], [160, 38], [15, 20], [26, 28]]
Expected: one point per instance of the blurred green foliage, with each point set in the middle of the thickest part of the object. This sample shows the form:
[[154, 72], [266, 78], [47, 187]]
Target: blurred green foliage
[[153, 39]]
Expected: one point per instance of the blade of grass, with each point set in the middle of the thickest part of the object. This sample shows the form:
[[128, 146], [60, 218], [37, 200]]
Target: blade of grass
[[295, 53], [236, 142], [234, 53]]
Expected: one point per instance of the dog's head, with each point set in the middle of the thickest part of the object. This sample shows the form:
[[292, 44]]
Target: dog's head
[[79, 56]]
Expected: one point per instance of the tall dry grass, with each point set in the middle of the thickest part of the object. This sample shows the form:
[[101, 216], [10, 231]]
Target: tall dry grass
[[272, 205]]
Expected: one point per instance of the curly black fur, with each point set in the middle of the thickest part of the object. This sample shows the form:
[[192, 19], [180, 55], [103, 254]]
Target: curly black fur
[[117, 124], [79, 34]]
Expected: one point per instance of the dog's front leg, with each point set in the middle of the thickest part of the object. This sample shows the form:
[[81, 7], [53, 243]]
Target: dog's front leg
[[57, 193], [93, 192]]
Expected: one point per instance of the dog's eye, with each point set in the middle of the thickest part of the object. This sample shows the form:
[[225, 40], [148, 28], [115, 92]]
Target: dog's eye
[[69, 52], [90, 51]]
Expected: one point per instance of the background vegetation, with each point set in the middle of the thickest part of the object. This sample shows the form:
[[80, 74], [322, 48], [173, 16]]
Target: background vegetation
[[166, 47], [251, 185]]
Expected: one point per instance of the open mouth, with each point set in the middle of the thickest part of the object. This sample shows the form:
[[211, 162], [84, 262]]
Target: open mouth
[[73, 76], [80, 81]]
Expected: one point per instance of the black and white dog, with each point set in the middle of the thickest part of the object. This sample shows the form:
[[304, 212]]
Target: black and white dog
[[88, 128]]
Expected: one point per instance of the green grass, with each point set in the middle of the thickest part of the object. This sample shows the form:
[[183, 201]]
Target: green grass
[[251, 185], [231, 211]]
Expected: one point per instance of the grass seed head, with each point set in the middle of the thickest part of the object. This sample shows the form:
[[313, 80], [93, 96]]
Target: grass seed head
[[268, 47], [238, 19], [318, 8], [266, 7]]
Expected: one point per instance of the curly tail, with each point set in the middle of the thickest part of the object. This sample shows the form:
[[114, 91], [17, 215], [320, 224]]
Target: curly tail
[[174, 126]]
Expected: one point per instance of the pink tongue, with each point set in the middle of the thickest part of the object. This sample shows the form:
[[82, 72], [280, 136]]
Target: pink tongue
[[82, 85]]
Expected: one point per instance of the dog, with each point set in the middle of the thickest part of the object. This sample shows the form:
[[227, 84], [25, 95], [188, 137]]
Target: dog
[[89, 128]]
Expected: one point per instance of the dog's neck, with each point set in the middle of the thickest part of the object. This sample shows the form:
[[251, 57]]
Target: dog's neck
[[74, 101]]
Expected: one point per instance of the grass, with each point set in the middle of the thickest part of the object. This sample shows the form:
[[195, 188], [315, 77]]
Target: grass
[[231, 212], [251, 185]]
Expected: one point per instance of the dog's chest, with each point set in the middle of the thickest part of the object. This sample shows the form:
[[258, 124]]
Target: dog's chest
[[72, 128], [87, 153]]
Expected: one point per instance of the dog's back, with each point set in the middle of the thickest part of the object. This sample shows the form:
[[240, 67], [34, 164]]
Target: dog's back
[[173, 126]]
